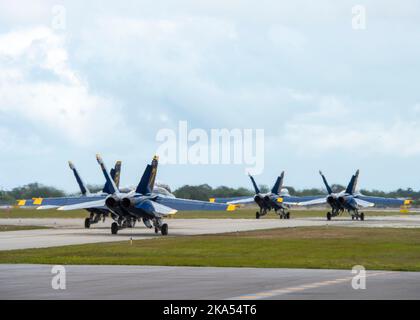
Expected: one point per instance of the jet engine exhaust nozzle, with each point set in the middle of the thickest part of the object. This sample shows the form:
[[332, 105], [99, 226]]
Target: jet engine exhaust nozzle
[[126, 203], [111, 202]]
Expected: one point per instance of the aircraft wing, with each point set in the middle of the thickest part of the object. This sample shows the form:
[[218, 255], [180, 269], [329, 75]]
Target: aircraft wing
[[363, 203], [192, 205], [384, 201], [313, 202], [53, 203]]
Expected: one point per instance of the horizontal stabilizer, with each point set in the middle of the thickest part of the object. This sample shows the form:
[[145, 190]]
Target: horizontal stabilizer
[[363, 203], [84, 205], [47, 207], [156, 208], [313, 202]]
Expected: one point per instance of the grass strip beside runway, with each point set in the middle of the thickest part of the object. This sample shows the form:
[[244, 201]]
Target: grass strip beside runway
[[312, 247], [19, 228]]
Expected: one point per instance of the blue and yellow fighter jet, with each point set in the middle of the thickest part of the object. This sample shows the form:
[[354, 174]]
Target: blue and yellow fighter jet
[[96, 214], [141, 204], [351, 201], [278, 199]]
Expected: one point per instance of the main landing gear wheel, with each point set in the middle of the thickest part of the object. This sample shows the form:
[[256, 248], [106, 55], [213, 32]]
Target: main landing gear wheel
[[156, 230], [114, 228], [329, 216], [362, 216], [288, 216], [164, 229], [87, 223], [257, 215]]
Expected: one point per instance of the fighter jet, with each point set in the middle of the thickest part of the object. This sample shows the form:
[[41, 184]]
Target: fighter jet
[[350, 200], [54, 203], [97, 214], [278, 199], [142, 204]]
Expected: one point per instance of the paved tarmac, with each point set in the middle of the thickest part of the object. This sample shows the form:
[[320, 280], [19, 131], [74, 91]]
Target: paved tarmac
[[70, 231], [184, 283]]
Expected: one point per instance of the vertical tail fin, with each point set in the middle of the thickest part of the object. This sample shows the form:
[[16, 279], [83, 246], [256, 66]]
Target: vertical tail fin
[[329, 190], [117, 173], [155, 163], [112, 186], [115, 176], [148, 179], [351, 188], [83, 188], [278, 185], [257, 190]]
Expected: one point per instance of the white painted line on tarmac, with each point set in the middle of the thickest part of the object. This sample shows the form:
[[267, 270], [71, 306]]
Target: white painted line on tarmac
[[304, 287]]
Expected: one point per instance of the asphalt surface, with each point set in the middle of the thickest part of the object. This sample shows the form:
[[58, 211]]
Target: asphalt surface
[[71, 231], [181, 283], [167, 283]]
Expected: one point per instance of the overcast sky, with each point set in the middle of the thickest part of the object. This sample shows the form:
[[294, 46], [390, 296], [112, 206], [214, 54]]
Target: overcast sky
[[328, 97]]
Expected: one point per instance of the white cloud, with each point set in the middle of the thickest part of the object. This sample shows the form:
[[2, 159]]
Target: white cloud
[[334, 128], [287, 38], [297, 70], [62, 102]]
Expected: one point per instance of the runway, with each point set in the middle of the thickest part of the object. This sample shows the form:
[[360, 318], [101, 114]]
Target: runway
[[70, 231], [181, 283]]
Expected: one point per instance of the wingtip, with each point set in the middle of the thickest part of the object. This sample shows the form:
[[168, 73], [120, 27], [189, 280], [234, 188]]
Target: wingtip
[[20, 203], [231, 207], [71, 165]]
